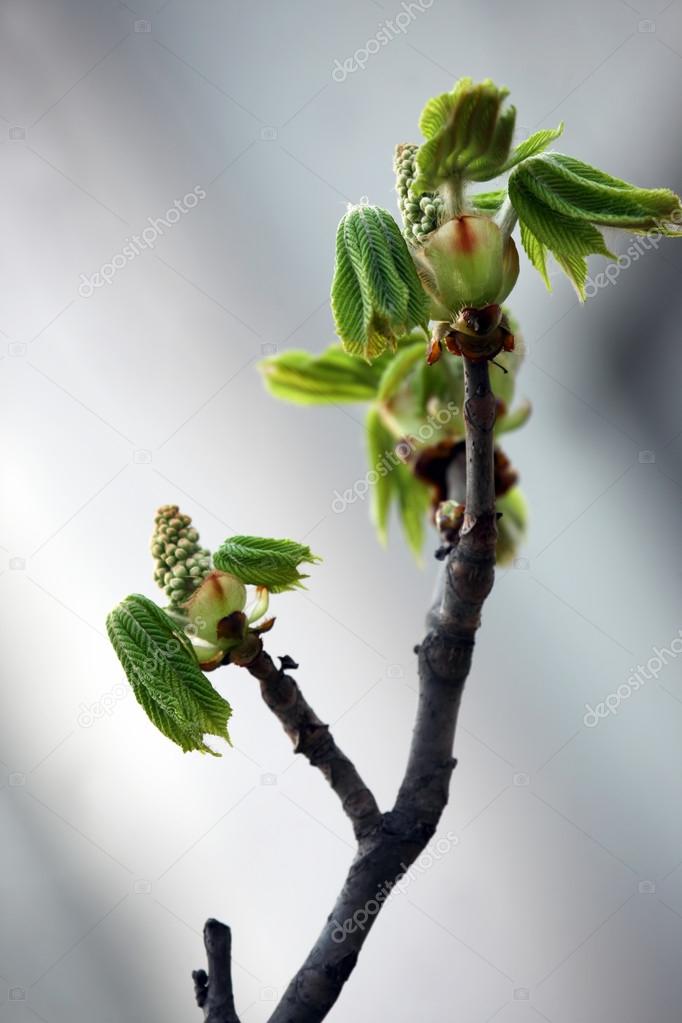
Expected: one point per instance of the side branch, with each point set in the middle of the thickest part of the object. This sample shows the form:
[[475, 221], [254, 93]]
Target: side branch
[[312, 738], [213, 990]]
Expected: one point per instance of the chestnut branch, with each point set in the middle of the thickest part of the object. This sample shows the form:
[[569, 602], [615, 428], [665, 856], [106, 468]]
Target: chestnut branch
[[388, 843]]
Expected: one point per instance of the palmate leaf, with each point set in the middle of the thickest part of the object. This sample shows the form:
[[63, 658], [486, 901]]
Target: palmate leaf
[[561, 202], [466, 132], [163, 671], [376, 295], [262, 561]]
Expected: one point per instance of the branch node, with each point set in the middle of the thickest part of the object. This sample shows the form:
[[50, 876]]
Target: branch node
[[287, 663]]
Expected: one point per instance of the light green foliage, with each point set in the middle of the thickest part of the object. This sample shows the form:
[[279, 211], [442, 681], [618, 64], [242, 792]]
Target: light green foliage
[[327, 379], [331, 378], [380, 443], [488, 202], [180, 561], [393, 483], [461, 244], [376, 294], [413, 407], [163, 671], [561, 203], [260, 561], [468, 134]]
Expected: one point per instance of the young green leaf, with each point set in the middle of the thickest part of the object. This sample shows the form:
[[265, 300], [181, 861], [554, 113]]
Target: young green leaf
[[334, 377], [467, 135], [512, 526], [569, 239], [488, 202], [514, 419], [398, 369], [561, 202], [260, 561], [163, 671], [577, 190], [380, 455], [531, 146], [536, 252], [413, 503], [376, 294]]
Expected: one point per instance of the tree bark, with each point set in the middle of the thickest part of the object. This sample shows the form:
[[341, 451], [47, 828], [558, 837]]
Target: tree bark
[[389, 843], [213, 990]]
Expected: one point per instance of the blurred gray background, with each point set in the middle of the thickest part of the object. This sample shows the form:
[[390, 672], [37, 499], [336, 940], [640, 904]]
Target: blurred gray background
[[560, 895]]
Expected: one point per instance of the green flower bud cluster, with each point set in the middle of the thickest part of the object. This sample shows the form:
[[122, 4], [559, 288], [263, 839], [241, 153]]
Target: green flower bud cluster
[[181, 563], [421, 214]]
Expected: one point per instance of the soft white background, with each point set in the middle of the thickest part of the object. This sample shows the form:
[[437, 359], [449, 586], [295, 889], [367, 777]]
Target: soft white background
[[115, 847]]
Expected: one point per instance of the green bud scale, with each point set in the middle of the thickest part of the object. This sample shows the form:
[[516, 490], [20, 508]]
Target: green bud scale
[[180, 562]]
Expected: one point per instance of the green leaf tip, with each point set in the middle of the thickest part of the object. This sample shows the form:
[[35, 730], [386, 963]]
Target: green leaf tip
[[376, 294], [562, 202], [261, 561], [161, 666]]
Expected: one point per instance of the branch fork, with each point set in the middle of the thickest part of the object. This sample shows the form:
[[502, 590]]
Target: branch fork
[[387, 843]]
